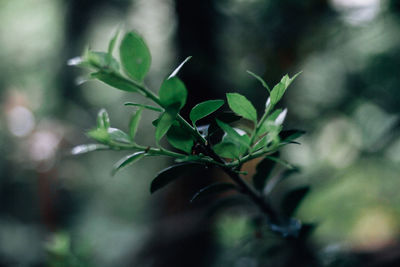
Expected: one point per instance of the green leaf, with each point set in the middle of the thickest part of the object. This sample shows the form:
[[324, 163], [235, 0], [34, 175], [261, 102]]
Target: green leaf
[[204, 109], [144, 106], [118, 136], [241, 106], [180, 138], [114, 80], [134, 123], [173, 92], [81, 149], [227, 150], [165, 121], [279, 90], [135, 56], [263, 172], [290, 135], [112, 42], [100, 135], [213, 189], [242, 140], [175, 72], [128, 160], [103, 120], [100, 60], [261, 80], [292, 200], [172, 173]]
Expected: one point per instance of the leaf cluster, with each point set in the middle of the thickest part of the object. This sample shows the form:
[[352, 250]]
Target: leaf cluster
[[225, 143]]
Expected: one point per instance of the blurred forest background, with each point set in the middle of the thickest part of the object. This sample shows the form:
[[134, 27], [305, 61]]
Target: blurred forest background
[[59, 210]]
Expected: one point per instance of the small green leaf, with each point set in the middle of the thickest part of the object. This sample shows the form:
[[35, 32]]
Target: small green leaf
[[134, 123], [103, 120], [100, 60], [165, 121], [100, 135], [128, 160], [279, 90], [227, 150], [261, 80], [118, 136], [135, 56], [263, 172], [114, 80], [292, 200], [241, 106], [242, 140], [81, 149], [173, 92], [180, 138], [213, 189], [204, 109], [144, 106], [175, 72], [112, 42], [172, 173]]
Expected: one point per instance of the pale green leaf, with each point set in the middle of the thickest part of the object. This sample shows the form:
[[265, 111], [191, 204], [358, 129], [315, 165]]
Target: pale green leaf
[[134, 123], [241, 106], [103, 120], [263, 83], [279, 90]]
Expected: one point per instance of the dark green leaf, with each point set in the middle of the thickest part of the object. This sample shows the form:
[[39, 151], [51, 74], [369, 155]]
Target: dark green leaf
[[279, 90], [204, 109], [81, 149], [292, 200], [173, 92], [241, 106], [118, 136], [175, 72], [172, 173], [263, 172], [103, 120], [213, 189], [135, 56], [290, 135], [134, 123], [165, 121], [114, 80], [180, 138], [263, 83], [144, 106], [242, 140], [125, 161], [227, 150]]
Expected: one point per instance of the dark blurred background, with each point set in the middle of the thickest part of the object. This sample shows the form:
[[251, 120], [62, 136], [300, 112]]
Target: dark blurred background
[[59, 210]]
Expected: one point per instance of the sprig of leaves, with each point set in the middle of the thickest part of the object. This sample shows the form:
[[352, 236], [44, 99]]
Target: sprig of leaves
[[225, 143]]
